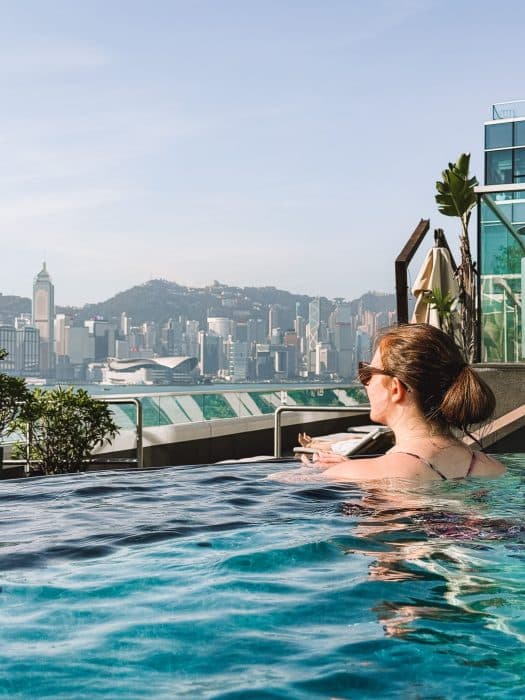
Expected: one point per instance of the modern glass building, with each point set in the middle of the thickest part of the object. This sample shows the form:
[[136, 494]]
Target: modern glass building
[[501, 236]]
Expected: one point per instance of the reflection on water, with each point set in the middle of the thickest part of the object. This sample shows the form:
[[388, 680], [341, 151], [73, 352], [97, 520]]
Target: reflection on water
[[413, 534]]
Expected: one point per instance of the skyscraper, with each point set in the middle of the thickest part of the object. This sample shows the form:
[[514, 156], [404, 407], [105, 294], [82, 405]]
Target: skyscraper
[[43, 319], [342, 326], [273, 319], [313, 335]]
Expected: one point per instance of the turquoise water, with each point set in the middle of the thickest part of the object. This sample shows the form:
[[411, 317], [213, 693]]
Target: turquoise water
[[217, 582]]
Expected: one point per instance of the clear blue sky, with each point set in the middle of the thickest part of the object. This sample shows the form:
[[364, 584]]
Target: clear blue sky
[[264, 142]]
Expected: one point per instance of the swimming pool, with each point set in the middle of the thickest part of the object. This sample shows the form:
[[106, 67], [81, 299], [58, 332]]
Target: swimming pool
[[217, 582]]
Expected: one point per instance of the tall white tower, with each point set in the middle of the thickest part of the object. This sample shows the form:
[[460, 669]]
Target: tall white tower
[[43, 319]]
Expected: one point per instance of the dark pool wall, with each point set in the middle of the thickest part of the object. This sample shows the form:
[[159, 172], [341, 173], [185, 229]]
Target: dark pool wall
[[239, 445]]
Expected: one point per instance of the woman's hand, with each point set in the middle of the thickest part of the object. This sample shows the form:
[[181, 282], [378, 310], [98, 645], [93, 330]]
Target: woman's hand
[[324, 460]]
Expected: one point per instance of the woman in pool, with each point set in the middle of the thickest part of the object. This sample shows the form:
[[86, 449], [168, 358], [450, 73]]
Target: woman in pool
[[419, 385]]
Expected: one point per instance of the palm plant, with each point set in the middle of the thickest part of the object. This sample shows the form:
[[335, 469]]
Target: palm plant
[[445, 306], [456, 197]]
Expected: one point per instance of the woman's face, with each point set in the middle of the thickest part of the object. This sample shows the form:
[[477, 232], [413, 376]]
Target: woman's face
[[378, 393]]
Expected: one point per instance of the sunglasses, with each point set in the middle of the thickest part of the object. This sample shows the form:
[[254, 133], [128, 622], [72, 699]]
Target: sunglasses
[[366, 371]]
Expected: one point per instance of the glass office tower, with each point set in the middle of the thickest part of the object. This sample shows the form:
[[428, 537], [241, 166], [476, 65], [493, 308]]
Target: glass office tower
[[501, 242]]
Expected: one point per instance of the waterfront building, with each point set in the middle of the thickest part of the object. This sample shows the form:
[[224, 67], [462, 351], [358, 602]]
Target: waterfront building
[[79, 347], [273, 319], [255, 330], [60, 335], [363, 346], [191, 339], [43, 313], [124, 325], [285, 361], [312, 333], [149, 331], [29, 351], [264, 366], [325, 360], [102, 336], [220, 326], [276, 337], [22, 321], [237, 359], [158, 370], [210, 353], [23, 348], [299, 327], [280, 356], [501, 236], [342, 330], [172, 339], [8, 343], [122, 349]]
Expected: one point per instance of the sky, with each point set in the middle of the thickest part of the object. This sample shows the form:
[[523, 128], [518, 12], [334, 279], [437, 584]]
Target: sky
[[255, 142]]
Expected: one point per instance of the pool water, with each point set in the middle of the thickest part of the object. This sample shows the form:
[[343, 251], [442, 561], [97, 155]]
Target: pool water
[[218, 582]]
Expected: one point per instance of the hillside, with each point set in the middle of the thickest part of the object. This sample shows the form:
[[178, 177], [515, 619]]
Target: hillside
[[158, 300]]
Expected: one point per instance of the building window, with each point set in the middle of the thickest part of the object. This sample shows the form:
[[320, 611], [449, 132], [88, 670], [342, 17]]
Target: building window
[[519, 165], [499, 167], [498, 135], [519, 133]]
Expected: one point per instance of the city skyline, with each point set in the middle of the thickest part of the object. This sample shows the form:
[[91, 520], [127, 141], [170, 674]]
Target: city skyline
[[294, 145], [220, 333]]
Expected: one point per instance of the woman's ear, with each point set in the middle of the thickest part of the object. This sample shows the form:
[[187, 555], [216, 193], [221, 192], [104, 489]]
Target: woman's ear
[[398, 390]]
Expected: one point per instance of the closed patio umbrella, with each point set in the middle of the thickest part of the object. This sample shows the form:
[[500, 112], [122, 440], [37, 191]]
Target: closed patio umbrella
[[437, 272]]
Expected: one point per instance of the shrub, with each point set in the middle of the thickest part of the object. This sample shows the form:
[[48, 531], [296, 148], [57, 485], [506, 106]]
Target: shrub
[[13, 393], [65, 426]]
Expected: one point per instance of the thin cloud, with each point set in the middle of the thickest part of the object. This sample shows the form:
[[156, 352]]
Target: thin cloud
[[11, 211], [47, 58]]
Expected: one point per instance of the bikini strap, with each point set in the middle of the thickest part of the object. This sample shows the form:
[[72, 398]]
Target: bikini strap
[[425, 461], [472, 463]]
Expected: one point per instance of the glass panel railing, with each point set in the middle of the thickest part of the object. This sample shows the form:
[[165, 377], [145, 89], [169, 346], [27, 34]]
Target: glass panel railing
[[214, 406], [171, 408], [192, 407], [262, 402], [315, 397], [152, 413]]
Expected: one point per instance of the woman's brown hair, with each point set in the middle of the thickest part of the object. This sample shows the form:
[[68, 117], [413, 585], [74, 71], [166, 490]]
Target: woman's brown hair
[[430, 363]]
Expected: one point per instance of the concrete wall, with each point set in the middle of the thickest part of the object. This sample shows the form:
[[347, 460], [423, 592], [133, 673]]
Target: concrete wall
[[507, 381], [508, 384]]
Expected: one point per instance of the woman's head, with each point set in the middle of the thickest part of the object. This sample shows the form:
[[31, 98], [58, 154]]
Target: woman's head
[[428, 361]]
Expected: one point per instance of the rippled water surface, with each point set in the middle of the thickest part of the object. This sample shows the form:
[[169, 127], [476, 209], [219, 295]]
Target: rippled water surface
[[217, 582]]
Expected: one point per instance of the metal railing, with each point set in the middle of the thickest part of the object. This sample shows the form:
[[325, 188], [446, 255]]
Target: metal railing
[[138, 423], [277, 437]]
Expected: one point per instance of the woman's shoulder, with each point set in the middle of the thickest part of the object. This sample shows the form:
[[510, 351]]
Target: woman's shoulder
[[391, 464], [486, 465], [410, 465]]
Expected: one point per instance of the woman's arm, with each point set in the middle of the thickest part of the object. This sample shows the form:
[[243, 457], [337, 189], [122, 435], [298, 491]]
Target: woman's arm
[[338, 467]]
